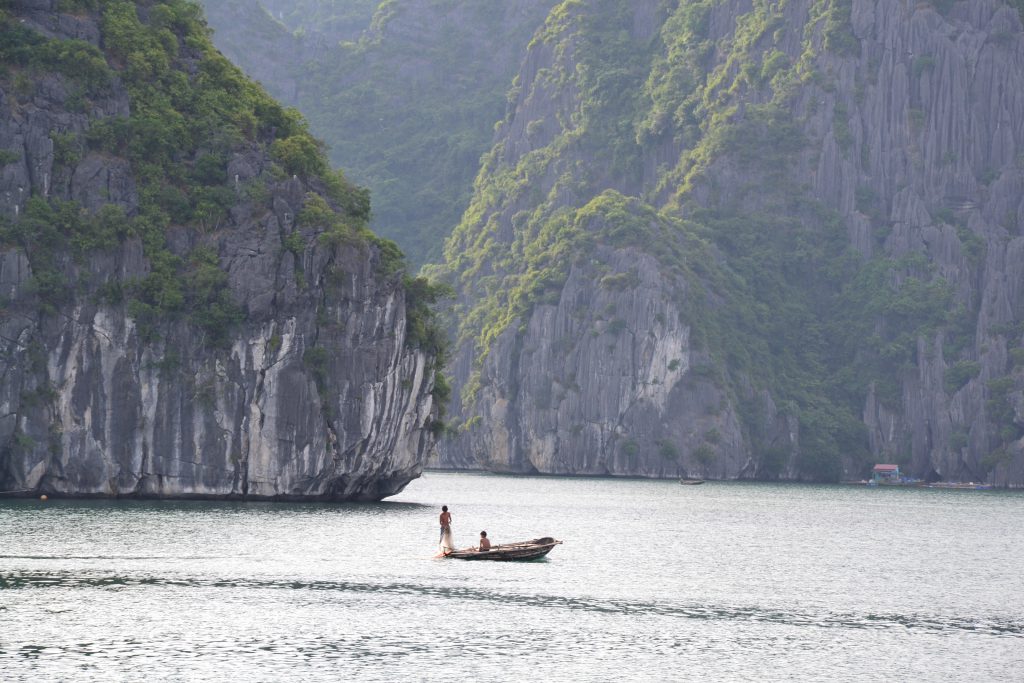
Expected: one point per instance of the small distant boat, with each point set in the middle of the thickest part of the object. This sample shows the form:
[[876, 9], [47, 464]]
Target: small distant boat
[[691, 482], [525, 550], [970, 485]]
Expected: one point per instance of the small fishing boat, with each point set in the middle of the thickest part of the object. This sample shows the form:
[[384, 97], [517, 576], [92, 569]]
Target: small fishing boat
[[691, 482], [525, 550]]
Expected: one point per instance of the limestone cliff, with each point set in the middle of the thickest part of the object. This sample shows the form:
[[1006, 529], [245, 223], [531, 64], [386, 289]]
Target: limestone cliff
[[750, 239], [191, 304]]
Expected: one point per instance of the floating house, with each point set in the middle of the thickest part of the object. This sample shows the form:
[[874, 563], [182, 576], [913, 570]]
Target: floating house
[[885, 474]]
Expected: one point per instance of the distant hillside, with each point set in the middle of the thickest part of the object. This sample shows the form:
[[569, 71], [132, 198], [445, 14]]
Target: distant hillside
[[332, 20], [407, 109]]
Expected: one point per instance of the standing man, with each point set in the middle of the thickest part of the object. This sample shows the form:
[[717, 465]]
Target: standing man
[[446, 531]]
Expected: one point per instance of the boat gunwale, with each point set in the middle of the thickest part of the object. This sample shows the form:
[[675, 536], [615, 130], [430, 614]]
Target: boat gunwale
[[523, 550]]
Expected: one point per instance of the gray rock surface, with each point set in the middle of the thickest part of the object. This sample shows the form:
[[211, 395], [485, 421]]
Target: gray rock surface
[[937, 137], [88, 407], [916, 134], [601, 382]]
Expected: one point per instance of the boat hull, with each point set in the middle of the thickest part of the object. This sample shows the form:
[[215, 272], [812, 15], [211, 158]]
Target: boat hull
[[509, 552]]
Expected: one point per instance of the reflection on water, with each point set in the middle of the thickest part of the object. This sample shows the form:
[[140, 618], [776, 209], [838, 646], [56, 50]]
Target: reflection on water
[[654, 582]]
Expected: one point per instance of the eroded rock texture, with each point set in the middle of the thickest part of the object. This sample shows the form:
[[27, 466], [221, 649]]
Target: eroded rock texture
[[887, 130], [313, 395]]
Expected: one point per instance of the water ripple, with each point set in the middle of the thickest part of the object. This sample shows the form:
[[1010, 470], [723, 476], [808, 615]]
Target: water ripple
[[755, 614]]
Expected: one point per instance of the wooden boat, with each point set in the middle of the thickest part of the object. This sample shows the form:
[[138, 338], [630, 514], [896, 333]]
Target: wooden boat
[[526, 550], [691, 482]]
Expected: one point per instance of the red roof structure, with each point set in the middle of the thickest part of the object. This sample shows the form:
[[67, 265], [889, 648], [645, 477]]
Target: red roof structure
[[886, 468]]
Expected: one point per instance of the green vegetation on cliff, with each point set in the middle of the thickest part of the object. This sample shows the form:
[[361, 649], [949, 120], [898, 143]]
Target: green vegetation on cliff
[[767, 266], [410, 106], [191, 110], [414, 124], [797, 310], [743, 145]]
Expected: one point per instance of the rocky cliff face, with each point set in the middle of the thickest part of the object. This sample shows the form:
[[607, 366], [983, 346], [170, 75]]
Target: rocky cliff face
[[736, 238], [932, 168], [600, 379], [250, 343]]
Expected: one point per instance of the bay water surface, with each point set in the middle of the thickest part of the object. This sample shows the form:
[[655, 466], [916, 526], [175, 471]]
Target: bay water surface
[[654, 581]]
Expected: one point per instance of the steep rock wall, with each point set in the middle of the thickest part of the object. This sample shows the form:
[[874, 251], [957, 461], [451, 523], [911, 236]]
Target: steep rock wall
[[593, 375], [915, 141], [936, 142], [879, 139], [313, 393]]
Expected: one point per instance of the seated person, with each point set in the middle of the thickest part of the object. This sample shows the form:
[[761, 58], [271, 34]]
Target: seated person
[[485, 544]]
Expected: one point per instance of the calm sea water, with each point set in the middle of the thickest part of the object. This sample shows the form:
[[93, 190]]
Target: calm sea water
[[655, 581]]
